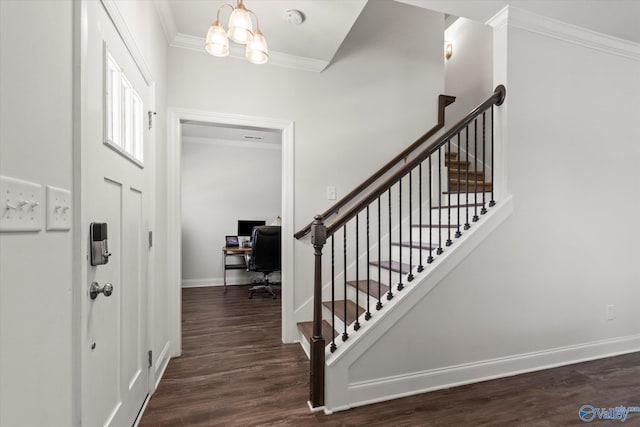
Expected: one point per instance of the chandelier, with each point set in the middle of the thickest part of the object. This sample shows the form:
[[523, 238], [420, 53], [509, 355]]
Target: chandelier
[[240, 30]]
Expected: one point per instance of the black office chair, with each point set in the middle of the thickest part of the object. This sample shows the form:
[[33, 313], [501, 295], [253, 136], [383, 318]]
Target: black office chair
[[265, 256]]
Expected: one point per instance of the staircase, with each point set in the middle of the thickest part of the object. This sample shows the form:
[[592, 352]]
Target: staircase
[[386, 244], [348, 310]]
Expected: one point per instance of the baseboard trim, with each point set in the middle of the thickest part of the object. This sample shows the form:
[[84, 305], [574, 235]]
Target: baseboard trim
[[205, 283], [231, 281], [163, 362], [382, 389]]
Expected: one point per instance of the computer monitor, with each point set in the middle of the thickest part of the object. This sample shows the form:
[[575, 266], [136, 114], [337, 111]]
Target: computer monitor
[[245, 227]]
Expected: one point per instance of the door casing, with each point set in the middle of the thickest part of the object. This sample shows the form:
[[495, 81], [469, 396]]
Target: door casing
[[175, 118]]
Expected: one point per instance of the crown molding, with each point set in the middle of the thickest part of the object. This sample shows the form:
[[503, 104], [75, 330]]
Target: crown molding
[[549, 27], [163, 8], [189, 42]]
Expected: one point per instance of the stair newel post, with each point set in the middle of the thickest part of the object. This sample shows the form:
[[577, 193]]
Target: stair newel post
[[420, 265], [484, 163], [458, 232], [466, 224], [316, 380], [475, 168], [449, 242]]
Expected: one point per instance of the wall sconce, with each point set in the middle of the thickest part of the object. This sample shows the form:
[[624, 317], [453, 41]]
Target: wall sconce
[[448, 50]]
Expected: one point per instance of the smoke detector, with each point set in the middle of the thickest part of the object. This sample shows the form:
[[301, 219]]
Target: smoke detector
[[294, 16]]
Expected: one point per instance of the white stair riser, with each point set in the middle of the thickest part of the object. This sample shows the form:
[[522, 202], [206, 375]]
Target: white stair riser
[[326, 315], [465, 198], [437, 235], [407, 252], [362, 297]]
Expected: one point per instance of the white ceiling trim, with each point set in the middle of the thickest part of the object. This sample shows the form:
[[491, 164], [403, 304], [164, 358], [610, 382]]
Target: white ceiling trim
[[166, 19], [189, 42], [538, 24]]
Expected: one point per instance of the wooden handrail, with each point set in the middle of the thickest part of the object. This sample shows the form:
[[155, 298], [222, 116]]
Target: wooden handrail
[[443, 101], [496, 99]]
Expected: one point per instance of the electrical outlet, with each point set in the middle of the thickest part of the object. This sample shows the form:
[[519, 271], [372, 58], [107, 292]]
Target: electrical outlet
[[20, 205], [331, 192], [610, 312]]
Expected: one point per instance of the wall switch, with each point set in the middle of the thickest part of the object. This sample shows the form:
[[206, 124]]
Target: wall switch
[[58, 209], [610, 312], [20, 205], [331, 192]]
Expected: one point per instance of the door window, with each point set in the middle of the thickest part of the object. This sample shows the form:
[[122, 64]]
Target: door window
[[123, 113]]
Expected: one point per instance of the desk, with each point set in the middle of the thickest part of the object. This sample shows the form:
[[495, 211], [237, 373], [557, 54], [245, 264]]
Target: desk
[[234, 252]]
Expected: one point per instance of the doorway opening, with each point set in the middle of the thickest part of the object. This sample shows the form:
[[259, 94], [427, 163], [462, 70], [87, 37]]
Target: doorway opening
[[231, 177], [224, 123]]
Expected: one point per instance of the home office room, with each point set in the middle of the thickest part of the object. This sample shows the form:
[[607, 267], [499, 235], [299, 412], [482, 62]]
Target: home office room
[[231, 182]]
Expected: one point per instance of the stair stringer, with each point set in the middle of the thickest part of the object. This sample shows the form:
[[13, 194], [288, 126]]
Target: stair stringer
[[340, 394]]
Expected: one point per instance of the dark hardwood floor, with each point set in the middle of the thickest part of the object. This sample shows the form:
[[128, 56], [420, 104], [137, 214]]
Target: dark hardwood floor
[[235, 371]]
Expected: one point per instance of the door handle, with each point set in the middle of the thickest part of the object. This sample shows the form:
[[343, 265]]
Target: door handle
[[95, 289]]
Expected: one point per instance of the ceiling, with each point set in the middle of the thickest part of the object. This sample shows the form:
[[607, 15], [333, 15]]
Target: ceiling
[[618, 18], [310, 45], [210, 132]]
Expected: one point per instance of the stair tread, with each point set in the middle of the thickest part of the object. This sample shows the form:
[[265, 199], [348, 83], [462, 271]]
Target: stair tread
[[470, 181], [393, 266], [307, 330], [436, 225], [416, 245], [373, 287], [448, 162], [453, 171], [461, 205], [487, 192], [350, 314]]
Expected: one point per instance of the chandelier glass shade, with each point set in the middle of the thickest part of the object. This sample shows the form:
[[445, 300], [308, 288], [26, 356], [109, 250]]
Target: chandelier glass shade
[[240, 30]]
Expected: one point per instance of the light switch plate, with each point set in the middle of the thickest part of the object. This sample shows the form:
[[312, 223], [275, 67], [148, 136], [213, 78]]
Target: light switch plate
[[20, 205], [331, 192], [58, 208]]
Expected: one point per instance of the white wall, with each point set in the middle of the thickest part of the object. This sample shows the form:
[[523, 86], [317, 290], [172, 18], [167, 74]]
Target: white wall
[[38, 363], [469, 77], [378, 96], [535, 292], [469, 71], [35, 268], [222, 182]]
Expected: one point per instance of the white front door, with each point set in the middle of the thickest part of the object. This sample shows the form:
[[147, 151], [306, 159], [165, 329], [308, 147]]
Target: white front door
[[115, 99]]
